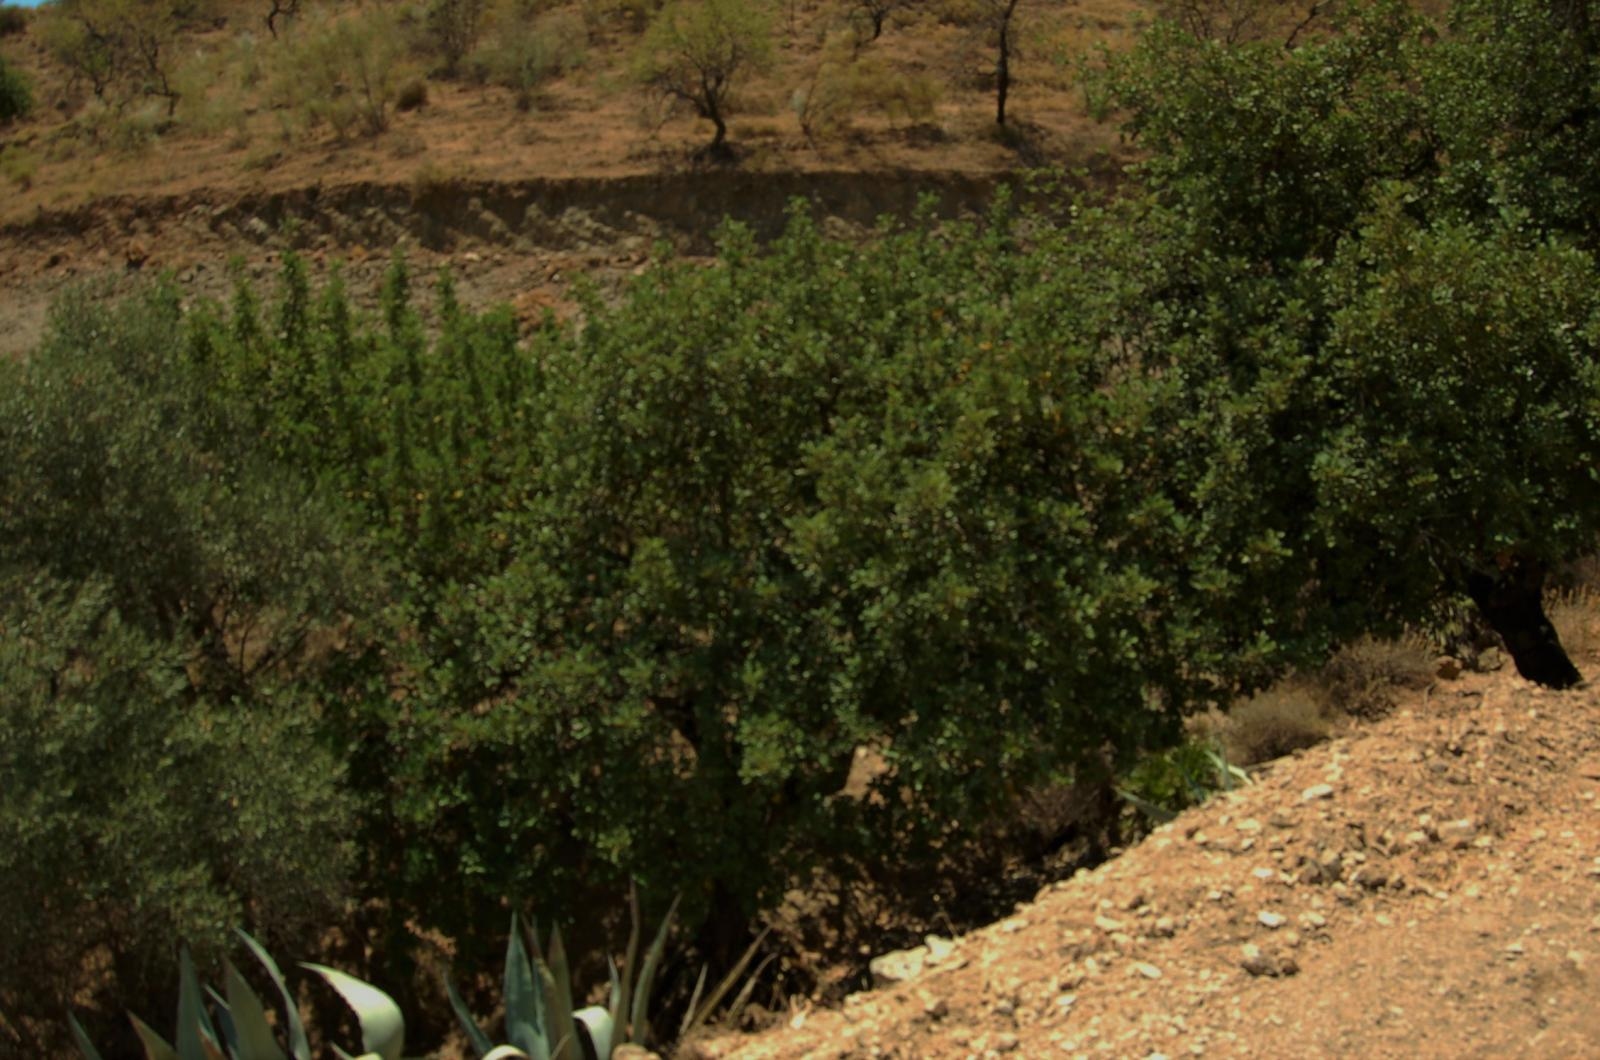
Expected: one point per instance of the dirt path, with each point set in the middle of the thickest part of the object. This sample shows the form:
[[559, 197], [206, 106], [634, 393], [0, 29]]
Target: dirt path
[[1428, 887]]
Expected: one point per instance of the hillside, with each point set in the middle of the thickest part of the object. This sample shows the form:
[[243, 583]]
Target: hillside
[[1425, 887], [519, 196]]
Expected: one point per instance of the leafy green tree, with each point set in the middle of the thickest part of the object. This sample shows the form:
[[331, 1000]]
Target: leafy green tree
[[137, 813], [1267, 166], [695, 51]]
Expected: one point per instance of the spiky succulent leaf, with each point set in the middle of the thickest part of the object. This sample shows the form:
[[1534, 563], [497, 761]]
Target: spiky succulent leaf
[[557, 978], [694, 1001], [299, 1044], [383, 1028], [481, 1043], [524, 1018], [194, 1026], [638, 1024], [155, 1046], [622, 992], [253, 1037], [596, 1032], [699, 1013], [81, 1039]]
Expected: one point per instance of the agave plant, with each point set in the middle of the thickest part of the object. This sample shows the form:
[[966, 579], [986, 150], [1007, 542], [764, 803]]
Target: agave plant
[[541, 1023], [240, 1030]]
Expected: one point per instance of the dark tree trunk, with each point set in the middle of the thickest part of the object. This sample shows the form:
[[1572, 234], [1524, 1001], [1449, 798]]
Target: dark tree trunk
[[1511, 600]]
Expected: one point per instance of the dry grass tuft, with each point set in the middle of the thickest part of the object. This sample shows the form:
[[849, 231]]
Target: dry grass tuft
[[1574, 613], [1364, 677], [1281, 720]]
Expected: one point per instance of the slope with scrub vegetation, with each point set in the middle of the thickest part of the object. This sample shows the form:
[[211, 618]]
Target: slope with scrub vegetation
[[806, 565]]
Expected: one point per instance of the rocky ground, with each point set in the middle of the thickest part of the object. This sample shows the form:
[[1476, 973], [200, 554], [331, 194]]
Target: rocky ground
[[1428, 886]]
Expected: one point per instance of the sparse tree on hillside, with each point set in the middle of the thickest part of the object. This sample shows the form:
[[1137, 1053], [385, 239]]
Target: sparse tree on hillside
[[694, 51], [994, 24], [453, 27], [122, 49]]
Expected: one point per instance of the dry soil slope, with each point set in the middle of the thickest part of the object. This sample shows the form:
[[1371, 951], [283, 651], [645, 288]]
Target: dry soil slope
[[1426, 887]]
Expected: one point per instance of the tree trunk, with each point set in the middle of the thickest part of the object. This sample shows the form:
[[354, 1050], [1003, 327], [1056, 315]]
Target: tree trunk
[[1512, 602], [1002, 78]]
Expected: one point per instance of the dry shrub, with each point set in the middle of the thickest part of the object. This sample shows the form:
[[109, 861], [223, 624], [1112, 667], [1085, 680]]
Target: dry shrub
[[848, 85], [345, 73], [1364, 677], [1573, 612], [524, 49], [413, 95], [1285, 718]]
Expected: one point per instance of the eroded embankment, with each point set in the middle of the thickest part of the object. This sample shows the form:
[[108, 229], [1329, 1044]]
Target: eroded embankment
[[520, 242]]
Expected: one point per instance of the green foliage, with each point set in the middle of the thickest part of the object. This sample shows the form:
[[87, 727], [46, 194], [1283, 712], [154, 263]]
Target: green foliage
[[13, 20], [16, 98], [1385, 336], [166, 592], [452, 29], [345, 73], [139, 811], [121, 49], [525, 48], [1165, 784], [848, 83], [696, 50]]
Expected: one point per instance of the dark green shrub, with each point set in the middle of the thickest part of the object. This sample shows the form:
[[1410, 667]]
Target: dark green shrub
[[16, 98]]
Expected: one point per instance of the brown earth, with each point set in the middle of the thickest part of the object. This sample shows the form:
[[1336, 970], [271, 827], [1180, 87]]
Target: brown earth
[[1428, 886]]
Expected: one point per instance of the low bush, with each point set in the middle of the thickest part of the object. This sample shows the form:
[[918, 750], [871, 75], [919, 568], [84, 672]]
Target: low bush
[[848, 84], [1278, 721], [525, 49], [1364, 678], [16, 97], [346, 73]]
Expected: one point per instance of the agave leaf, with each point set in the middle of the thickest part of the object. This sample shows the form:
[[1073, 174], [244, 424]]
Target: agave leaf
[[638, 1024], [595, 1032], [622, 993], [299, 1044], [227, 1034], [695, 1017], [480, 1041], [155, 1046], [252, 1034], [614, 1003], [743, 997], [689, 1014], [81, 1039], [524, 1019], [193, 1024], [383, 1028], [506, 1052], [558, 997]]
